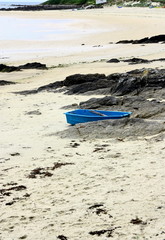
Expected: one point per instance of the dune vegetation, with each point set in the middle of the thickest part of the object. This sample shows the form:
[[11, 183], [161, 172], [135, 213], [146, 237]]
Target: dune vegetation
[[140, 3], [77, 2]]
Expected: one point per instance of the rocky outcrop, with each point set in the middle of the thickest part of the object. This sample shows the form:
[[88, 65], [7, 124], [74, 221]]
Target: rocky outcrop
[[113, 60], [81, 78], [139, 106], [5, 68], [120, 129], [135, 60], [39, 7], [146, 40], [34, 65], [119, 84], [3, 83]]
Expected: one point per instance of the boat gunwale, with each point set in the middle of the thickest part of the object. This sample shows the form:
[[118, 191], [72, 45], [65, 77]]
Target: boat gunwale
[[97, 116]]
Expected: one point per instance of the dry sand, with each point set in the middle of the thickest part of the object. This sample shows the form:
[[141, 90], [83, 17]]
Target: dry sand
[[100, 188]]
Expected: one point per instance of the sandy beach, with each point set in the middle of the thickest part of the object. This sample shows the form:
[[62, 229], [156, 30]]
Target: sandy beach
[[60, 186]]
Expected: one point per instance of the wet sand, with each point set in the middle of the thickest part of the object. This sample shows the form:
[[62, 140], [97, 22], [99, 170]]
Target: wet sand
[[62, 188]]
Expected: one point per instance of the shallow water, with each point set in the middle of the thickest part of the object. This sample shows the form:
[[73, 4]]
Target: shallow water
[[32, 29], [8, 4], [25, 38]]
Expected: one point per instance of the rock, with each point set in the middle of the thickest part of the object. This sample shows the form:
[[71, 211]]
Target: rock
[[156, 39], [136, 60], [5, 68], [137, 221], [3, 82], [27, 92], [96, 103], [82, 78], [35, 112], [15, 154], [62, 237], [89, 86], [51, 86], [113, 60], [23, 237], [126, 86], [124, 42], [141, 107], [130, 128], [146, 40], [33, 65], [135, 82]]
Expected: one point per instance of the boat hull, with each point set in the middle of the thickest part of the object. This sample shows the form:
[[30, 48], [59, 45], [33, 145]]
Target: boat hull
[[89, 115]]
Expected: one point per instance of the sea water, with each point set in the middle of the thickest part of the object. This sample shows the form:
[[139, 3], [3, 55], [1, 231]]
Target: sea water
[[13, 4], [15, 28], [21, 29]]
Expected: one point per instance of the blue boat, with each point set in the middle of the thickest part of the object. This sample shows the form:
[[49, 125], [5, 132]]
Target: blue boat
[[89, 115]]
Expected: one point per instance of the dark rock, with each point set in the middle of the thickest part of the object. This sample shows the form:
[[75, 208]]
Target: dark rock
[[34, 65], [137, 221], [82, 78], [62, 237], [10, 203], [140, 41], [160, 59], [3, 83], [133, 82], [139, 80], [130, 128], [27, 92], [15, 154], [124, 42], [113, 60], [89, 86], [136, 60], [5, 68], [125, 86], [146, 40], [51, 86], [156, 39], [95, 103], [23, 237], [141, 107]]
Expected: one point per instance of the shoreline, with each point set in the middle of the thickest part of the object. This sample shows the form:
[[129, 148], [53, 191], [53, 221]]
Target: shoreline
[[83, 42], [38, 7]]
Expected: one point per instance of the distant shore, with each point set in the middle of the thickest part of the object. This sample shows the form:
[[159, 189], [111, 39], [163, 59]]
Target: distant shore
[[39, 7]]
